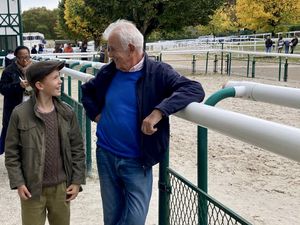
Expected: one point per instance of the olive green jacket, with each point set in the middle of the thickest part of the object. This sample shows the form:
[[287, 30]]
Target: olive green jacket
[[25, 146]]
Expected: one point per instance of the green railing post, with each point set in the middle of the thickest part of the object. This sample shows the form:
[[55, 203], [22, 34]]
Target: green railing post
[[206, 64], [215, 63], [203, 152], [279, 74], [164, 191], [253, 67], [88, 137], [229, 64], [160, 57], [248, 65], [222, 57], [286, 65], [194, 64]]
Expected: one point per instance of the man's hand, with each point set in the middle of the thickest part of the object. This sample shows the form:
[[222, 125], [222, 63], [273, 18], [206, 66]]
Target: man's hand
[[150, 121], [72, 192], [23, 192], [24, 83]]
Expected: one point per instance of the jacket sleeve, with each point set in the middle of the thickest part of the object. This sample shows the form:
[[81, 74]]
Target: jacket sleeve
[[78, 152], [13, 153], [89, 99], [181, 91], [9, 85]]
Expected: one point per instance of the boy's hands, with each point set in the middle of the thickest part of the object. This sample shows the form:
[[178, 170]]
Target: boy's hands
[[72, 192], [23, 192]]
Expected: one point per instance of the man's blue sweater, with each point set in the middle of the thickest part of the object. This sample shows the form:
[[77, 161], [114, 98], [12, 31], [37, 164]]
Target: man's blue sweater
[[118, 130]]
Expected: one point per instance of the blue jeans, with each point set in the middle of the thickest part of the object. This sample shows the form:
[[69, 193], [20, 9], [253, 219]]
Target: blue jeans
[[126, 189]]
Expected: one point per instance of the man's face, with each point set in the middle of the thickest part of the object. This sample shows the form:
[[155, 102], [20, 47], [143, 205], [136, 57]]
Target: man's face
[[118, 54], [23, 57]]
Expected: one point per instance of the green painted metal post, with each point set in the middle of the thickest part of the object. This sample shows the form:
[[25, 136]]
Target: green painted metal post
[[194, 64], [222, 55], [215, 63], [253, 67], [279, 74], [229, 65], [206, 64], [203, 152], [160, 57], [248, 65], [164, 191], [286, 65], [88, 136]]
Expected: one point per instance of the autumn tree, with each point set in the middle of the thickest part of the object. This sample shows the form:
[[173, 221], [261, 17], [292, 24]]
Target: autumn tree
[[267, 15]]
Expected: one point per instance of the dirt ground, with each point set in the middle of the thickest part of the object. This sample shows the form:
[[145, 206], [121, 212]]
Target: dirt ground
[[262, 187]]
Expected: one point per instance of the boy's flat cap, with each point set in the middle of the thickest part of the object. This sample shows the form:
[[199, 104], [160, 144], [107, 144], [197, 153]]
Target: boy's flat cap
[[39, 70]]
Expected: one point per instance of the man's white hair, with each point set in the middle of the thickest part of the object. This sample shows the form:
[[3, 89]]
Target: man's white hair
[[127, 32]]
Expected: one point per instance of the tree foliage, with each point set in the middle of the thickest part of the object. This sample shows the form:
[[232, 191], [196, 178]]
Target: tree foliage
[[40, 20], [267, 15], [91, 17]]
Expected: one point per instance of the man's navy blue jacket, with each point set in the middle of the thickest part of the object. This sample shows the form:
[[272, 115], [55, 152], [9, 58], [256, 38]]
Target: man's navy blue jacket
[[160, 87]]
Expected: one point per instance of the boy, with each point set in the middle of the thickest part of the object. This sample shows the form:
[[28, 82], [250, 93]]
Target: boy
[[44, 151]]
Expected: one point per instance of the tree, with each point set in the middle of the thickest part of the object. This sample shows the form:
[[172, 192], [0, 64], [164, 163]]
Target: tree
[[40, 20], [92, 16], [224, 20], [61, 28], [267, 15]]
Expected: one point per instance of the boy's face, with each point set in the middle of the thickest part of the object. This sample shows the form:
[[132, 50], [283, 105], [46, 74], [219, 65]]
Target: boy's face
[[51, 84]]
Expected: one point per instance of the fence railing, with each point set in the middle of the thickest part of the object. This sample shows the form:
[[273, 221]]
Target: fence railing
[[180, 201]]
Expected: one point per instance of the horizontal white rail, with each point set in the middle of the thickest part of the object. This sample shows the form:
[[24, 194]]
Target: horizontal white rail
[[285, 96], [84, 77], [277, 138]]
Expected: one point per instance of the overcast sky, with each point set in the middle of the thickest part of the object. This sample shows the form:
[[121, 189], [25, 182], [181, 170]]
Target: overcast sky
[[49, 4]]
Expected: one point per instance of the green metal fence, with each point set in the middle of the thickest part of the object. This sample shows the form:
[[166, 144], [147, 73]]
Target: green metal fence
[[189, 205]]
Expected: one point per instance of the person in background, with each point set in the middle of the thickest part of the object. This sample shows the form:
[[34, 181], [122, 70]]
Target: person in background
[[33, 50], [44, 152], [293, 43], [13, 85], [41, 48], [268, 44], [131, 99], [280, 44], [9, 58], [68, 48], [286, 46], [83, 48]]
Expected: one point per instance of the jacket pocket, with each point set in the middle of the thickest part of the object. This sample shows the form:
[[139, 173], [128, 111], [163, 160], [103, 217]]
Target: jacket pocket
[[29, 135]]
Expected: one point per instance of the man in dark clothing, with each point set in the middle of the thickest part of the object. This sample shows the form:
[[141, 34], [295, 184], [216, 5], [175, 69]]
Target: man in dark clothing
[[33, 50], [131, 100], [294, 43], [12, 86]]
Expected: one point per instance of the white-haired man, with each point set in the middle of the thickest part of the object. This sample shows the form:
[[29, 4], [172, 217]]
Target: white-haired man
[[131, 99]]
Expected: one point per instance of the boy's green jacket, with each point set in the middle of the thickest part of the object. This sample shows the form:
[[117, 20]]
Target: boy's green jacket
[[25, 146]]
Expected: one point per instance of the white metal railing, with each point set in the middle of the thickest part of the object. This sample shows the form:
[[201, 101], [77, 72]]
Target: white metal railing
[[285, 96], [274, 137]]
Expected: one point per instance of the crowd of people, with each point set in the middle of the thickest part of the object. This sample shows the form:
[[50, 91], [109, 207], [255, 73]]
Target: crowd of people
[[288, 45]]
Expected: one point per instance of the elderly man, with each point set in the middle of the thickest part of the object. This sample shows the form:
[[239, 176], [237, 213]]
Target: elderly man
[[131, 99]]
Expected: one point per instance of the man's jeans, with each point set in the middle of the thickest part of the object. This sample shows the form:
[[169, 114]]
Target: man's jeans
[[126, 189]]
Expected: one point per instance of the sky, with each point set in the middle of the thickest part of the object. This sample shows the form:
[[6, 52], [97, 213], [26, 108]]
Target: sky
[[49, 4]]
